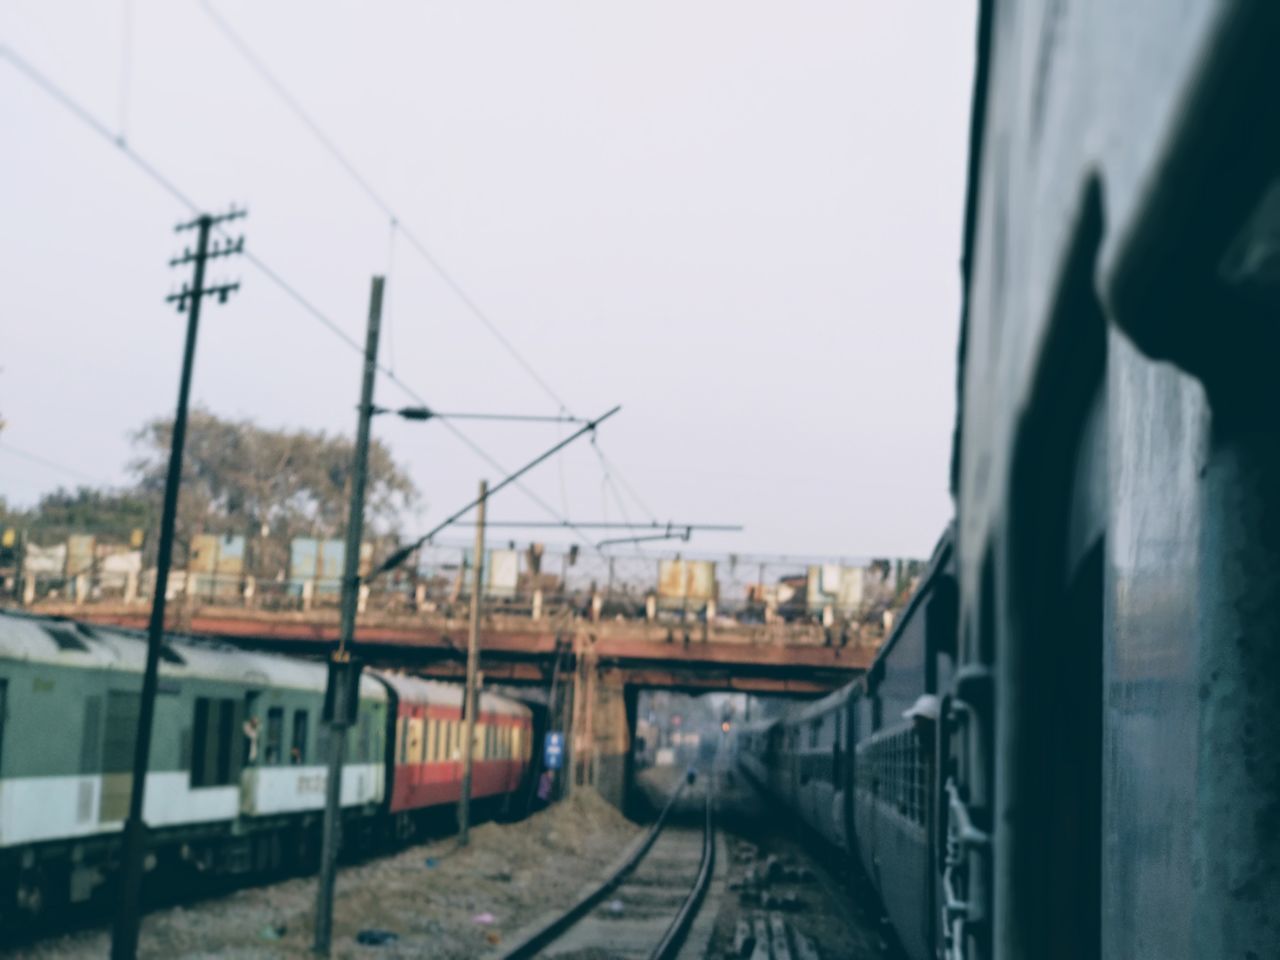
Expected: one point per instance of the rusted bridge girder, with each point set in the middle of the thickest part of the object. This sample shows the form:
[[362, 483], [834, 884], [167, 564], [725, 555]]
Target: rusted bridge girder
[[516, 650]]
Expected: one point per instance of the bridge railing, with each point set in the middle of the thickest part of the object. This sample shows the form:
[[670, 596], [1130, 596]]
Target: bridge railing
[[677, 597]]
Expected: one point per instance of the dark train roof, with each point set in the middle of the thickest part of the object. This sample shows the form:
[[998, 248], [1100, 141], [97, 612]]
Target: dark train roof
[[938, 563]]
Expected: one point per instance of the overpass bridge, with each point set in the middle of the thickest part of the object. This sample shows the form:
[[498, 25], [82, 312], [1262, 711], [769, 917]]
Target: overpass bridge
[[591, 672]]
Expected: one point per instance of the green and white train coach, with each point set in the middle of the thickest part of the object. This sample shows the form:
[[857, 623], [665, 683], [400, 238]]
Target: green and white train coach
[[236, 779]]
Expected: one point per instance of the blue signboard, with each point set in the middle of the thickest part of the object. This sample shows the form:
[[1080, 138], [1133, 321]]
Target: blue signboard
[[553, 751]]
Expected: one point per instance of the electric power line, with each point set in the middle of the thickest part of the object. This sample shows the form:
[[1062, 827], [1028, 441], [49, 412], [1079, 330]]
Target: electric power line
[[258, 65], [126, 65], [612, 469], [77, 110], [300, 112], [52, 464], [391, 289]]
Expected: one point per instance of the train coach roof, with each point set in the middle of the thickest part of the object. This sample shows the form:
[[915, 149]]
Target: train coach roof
[[433, 693], [938, 563], [70, 644], [831, 701]]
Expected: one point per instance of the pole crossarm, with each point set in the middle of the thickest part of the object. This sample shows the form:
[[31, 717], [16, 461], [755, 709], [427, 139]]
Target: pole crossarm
[[212, 219], [221, 291], [403, 554]]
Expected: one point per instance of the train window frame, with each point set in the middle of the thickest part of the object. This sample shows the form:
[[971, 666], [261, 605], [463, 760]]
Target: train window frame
[[417, 740], [301, 732], [91, 735], [365, 737], [273, 739]]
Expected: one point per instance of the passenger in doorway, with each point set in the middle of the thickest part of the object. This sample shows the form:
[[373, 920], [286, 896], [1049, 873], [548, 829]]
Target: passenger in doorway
[[251, 738], [295, 756]]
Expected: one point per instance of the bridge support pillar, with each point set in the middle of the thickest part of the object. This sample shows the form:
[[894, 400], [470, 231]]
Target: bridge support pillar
[[602, 725]]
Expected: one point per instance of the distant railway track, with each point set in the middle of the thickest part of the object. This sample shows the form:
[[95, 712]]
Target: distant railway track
[[649, 903]]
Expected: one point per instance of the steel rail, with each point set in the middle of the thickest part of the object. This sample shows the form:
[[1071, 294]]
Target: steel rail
[[673, 939], [553, 930]]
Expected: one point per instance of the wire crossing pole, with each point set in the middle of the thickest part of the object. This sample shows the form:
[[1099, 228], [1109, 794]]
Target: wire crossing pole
[[473, 657], [124, 936], [342, 698]]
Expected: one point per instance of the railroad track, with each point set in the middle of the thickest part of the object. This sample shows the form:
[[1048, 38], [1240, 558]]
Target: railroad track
[[645, 909]]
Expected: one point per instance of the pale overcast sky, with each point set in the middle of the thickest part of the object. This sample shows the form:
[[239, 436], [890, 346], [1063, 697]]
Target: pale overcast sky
[[740, 220]]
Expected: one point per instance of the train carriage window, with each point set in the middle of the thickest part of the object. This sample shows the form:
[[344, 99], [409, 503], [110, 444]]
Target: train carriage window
[[275, 736], [91, 735], [417, 740], [298, 749], [402, 740], [366, 738], [200, 743]]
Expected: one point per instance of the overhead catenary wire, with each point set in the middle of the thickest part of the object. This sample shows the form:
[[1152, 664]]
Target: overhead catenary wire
[[59, 95], [51, 464], [429, 257], [617, 476], [391, 290], [259, 66], [607, 484], [126, 66]]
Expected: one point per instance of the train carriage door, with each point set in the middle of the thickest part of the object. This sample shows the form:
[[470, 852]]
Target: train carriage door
[[1047, 844], [120, 733]]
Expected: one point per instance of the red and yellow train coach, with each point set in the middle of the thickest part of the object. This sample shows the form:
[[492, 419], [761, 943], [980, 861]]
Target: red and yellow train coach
[[427, 745]]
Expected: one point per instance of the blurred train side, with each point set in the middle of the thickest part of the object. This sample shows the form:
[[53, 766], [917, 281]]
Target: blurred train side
[[858, 766], [1116, 784], [236, 779]]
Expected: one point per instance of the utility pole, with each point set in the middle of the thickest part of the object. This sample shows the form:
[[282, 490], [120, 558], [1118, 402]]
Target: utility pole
[[342, 698], [473, 656], [124, 936]]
